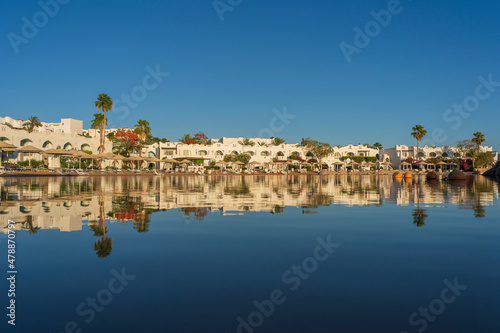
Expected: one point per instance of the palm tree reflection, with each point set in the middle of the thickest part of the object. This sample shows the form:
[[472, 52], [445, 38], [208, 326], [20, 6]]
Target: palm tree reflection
[[419, 215], [103, 246]]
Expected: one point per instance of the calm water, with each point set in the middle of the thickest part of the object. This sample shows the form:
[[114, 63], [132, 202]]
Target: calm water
[[253, 254]]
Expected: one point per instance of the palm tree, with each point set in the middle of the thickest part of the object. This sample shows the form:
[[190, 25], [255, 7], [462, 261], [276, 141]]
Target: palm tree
[[31, 123], [305, 142], [186, 139], [99, 122], [246, 142], [104, 103], [144, 132], [277, 141], [378, 145], [418, 133], [478, 139]]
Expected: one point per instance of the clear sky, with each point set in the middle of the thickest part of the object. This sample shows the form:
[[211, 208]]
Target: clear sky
[[227, 76]]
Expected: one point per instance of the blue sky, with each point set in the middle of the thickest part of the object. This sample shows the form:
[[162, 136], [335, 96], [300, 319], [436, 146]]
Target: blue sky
[[226, 77]]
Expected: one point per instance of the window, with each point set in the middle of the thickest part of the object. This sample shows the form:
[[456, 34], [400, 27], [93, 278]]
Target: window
[[219, 153], [432, 154], [202, 153], [187, 153], [280, 153], [47, 145], [264, 153], [68, 146], [26, 142], [445, 155]]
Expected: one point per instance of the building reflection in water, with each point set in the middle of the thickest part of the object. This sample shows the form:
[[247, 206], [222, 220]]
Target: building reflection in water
[[68, 203]]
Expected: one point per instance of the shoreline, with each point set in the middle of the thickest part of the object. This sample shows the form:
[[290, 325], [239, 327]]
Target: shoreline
[[32, 174]]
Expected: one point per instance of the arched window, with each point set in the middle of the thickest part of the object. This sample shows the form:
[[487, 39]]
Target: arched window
[[432, 154], [350, 154], [296, 153], [186, 153], [421, 154], [151, 154], [26, 142], [445, 155], [47, 145], [309, 154], [337, 154], [251, 153], [202, 153], [4, 139], [68, 146], [280, 153], [234, 152], [456, 155], [264, 153], [85, 146], [219, 153]]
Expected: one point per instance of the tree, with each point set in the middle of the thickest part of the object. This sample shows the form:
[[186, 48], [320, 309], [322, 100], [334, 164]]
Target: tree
[[478, 139], [484, 159], [277, 141], [378, 146], [187, 139], [201, 138], [104, 103], [143, 132], [305, 142], [244, 158], [32, 123], [99, 122], [126, 142], [466, 147], [319, 149], [246, 142], [418, 133]]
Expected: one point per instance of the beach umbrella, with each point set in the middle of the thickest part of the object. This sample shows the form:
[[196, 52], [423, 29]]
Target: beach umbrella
[[80, 154], [7, 146], [154, 160], [30, 150], [185, 161], [4, 146]]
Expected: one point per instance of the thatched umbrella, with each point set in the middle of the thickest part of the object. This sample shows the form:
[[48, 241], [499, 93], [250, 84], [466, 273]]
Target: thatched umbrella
[[154, 160], [4, 146], [30, 150], [170, 161], [239, 163]]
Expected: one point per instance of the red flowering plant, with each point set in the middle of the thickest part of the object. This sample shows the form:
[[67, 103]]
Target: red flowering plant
[[126, 142]]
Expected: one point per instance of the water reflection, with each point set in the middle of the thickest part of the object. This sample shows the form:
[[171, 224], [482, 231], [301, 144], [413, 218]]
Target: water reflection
[[69, 203]]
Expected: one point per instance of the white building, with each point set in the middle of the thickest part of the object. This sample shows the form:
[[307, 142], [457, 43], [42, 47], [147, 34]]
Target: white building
[[400, 153], [263, 151], [67, 135]]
